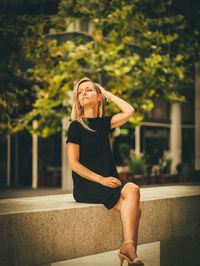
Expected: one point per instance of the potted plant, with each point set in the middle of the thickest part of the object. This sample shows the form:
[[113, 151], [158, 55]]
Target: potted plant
[[148, 168], [164, 168], [124, 153], [136, 164]]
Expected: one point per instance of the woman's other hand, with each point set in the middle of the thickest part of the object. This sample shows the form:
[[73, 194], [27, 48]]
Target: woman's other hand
[[110, 182]]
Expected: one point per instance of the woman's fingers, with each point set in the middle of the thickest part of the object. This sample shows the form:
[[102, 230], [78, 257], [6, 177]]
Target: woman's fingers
[[111, 182], [103, 91], [116, 181]]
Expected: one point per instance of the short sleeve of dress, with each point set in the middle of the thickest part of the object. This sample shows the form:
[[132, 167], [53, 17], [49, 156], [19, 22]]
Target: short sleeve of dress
[[107, 121], [74, 132]]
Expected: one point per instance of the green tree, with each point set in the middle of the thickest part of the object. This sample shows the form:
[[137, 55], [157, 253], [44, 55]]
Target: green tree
[[137, 50], [23, 44], [161, 38]]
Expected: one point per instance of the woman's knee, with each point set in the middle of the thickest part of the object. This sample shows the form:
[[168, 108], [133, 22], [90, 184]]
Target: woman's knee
[[130, 189]]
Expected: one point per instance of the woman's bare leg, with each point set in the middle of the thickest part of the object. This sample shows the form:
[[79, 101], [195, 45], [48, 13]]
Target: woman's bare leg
[[136, 237], [129, 209]]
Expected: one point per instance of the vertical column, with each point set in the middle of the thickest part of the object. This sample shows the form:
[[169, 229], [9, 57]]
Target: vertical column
[[16, 159], [35, 157], [8, 159], [137, 140], [67, 183], [175, 136], [197, 116], [90, 27]]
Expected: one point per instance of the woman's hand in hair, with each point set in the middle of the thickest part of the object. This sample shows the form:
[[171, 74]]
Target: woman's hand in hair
[[103, 91], [110, 182]]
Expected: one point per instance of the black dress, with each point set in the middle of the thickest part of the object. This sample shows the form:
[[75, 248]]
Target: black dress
[[96, 155]]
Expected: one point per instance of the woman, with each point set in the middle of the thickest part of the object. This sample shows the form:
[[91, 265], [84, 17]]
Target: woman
[[94, 173]]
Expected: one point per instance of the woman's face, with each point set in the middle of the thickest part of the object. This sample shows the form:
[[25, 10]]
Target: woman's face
[[87, 94]]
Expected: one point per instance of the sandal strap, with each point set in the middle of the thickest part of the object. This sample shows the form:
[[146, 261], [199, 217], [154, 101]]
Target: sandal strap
[[128, 242]]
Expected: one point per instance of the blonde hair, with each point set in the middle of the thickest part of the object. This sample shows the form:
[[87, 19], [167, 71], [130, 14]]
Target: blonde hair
[[78, 110]]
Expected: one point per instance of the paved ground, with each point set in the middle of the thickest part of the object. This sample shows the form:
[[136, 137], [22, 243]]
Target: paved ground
[[149, 253]]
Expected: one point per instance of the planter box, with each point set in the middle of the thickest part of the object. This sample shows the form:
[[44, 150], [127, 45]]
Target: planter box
[[147, 180], [137, 179], [168, 178]]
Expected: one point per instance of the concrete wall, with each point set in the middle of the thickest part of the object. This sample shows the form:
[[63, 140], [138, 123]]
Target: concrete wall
[[41, 230]]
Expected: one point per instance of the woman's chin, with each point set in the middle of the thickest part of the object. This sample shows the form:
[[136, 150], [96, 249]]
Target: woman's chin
[[86, 104]]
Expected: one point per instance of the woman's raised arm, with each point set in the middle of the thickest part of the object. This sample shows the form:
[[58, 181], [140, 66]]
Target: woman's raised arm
[[127, 109]]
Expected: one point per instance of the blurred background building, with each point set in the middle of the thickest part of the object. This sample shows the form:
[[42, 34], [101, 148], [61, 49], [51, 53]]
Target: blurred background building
[[167, 128]]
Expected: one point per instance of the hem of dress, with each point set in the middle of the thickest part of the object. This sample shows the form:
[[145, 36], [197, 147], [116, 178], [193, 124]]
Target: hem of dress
[[110, 202], [113, 200]]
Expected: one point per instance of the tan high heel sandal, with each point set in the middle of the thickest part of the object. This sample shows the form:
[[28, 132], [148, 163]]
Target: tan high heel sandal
[[123, 257]]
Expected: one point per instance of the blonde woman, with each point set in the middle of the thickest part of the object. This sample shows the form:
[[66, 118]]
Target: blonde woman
[[94, 173]]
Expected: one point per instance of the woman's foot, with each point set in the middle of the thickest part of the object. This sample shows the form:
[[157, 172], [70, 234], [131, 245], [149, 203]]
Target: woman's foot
[[128, 249]]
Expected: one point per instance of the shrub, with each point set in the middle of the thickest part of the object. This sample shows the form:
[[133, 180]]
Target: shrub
[[136, 163]]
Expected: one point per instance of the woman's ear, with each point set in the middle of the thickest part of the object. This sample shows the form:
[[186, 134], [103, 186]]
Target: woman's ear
[[100, 96]]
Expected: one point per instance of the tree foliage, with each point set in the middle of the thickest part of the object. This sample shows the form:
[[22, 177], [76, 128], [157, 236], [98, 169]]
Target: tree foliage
[[137, 50], [23, 45]]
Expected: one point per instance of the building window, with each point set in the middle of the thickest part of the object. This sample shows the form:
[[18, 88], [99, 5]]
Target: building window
[[160, 111], [84, 25]]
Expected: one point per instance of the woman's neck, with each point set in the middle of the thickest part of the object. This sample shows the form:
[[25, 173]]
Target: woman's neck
[[90, 114]]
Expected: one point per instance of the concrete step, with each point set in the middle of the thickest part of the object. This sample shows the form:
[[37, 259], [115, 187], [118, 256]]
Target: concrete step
[[174, 252], [149, 253]]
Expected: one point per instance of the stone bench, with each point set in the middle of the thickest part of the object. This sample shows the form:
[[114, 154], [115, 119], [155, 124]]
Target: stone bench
[[45, 229]]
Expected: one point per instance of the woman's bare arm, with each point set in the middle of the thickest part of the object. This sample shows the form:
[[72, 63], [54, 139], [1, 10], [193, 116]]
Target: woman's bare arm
[[121, 118], [127, 109], [73, 157]]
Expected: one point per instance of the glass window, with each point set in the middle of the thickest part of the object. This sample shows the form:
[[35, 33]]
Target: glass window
[[160, 111], [84, 25]]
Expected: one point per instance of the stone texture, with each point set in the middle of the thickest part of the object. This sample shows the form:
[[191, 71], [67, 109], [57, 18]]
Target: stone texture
[[41, 230], [96, 231], [155, 222], [4, 240], [41, 237], [185, 216], [181, 251]]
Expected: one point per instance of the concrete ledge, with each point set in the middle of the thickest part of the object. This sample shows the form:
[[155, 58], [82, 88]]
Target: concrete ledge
[[40, 230]]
